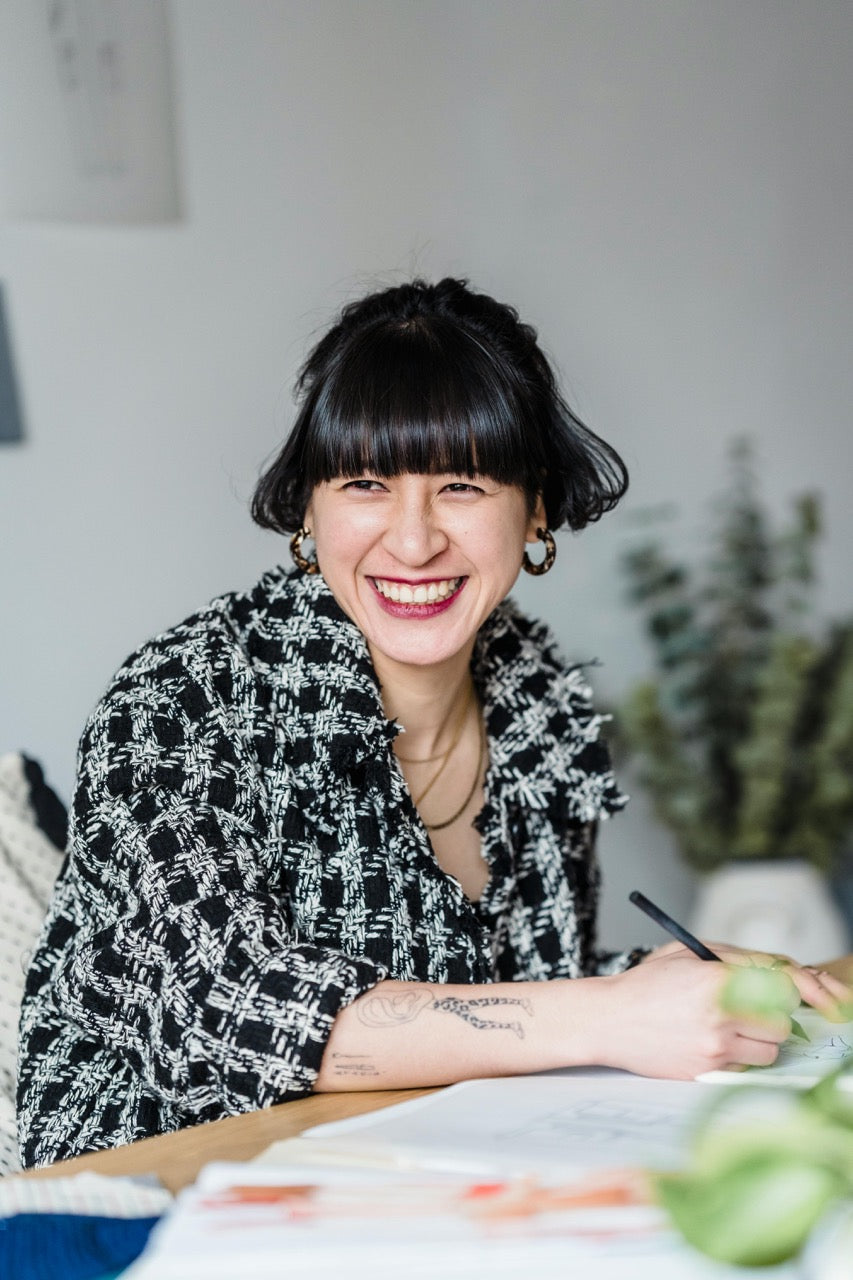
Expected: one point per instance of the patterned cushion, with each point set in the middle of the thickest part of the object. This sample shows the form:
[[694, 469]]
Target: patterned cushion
[[29, 863]]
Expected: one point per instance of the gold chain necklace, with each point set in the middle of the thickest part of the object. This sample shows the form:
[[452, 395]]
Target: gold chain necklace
[[449, 752], [439, 826], [439, 755]]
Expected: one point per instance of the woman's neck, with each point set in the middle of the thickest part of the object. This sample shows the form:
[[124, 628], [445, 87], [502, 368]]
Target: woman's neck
[[426, 701]]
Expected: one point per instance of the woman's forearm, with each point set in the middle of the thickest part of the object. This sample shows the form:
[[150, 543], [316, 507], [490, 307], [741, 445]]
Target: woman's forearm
[[406, 1034], [664, 1017]]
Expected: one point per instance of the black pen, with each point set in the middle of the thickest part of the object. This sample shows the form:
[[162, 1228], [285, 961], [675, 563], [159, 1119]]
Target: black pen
[[693, 944], [672, 926]]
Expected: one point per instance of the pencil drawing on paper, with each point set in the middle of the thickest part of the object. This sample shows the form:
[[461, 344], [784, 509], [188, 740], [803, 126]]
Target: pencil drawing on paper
[[594, 1121], [833, 1048]]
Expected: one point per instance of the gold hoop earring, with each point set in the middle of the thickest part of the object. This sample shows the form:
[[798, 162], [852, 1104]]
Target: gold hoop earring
[[529, 566], [309, 564]]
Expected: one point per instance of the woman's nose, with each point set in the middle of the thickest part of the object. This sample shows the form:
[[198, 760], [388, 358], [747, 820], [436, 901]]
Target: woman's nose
[[414, 536]]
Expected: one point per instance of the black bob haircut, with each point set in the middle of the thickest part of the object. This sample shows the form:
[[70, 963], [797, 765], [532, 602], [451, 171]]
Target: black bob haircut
[[435, 378]]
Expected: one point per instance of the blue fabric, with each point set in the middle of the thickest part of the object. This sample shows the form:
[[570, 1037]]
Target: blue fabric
[[64, 1246]]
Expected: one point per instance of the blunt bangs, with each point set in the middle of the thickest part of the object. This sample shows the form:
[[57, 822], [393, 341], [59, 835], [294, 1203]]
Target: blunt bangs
[[437, 379], [421, 399]]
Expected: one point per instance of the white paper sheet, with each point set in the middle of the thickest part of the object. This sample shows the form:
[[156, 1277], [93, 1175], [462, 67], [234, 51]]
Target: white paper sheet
[[560, 1121]]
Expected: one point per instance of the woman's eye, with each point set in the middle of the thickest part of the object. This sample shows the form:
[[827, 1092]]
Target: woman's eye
[[363, 486], [462, 486]]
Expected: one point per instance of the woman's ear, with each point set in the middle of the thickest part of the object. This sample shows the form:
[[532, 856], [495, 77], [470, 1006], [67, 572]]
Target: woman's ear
[[538, 520]]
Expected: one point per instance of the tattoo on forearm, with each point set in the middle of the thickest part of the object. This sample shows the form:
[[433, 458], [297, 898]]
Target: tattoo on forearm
[[464, 1009], [391, 1011]]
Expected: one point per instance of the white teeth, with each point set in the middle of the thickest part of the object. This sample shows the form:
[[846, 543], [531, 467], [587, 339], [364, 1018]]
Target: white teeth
[[421, 594]]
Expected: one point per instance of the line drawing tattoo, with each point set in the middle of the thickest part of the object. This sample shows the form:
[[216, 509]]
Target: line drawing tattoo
[[392, 1011], [465, 1009]]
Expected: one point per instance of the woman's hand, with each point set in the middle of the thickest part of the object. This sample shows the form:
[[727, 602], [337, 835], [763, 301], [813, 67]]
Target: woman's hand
[[822, 986], [817, 985], [665, 1018]]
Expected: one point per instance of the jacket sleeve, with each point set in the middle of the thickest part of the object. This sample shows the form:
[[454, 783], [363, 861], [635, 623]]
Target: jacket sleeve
[[618, 961], [172, 947], [599, 963]]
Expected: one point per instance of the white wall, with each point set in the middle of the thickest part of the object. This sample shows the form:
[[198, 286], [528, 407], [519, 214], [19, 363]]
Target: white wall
[[662, 186]]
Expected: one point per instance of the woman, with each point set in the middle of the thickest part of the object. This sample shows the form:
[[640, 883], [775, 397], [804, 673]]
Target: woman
[[336, 832]]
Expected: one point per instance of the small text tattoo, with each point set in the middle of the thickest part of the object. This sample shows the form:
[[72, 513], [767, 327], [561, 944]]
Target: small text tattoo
[[353, 1064]]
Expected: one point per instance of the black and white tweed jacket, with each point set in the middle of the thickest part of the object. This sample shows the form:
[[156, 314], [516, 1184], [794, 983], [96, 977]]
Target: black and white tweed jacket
[[245, 860]]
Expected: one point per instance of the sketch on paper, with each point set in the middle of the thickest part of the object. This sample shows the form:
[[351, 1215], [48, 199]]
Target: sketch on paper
[[532, 1122], [832, 1049], [594, 1122]]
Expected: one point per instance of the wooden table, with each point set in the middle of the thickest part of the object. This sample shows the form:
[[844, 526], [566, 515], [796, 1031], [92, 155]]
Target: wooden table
[[176, 1158]]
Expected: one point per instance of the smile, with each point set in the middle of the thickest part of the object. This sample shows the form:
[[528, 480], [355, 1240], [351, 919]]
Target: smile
[[418, 593]]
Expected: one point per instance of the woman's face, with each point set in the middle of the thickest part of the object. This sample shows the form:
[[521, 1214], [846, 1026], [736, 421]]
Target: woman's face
[[418, 562]]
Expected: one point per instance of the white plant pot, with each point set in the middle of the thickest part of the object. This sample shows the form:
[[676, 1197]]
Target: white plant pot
[[782, 907]]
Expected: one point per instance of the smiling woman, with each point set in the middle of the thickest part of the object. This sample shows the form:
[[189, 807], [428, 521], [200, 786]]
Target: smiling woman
[[337, 831], [418, 562]]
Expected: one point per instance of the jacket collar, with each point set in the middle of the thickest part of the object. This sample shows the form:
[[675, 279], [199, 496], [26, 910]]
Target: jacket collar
[[537, 710], [543, 732]]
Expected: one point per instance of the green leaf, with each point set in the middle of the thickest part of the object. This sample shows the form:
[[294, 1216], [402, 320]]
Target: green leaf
[[751, 989], [759, 1212], [832, 1099], [808, 1135]]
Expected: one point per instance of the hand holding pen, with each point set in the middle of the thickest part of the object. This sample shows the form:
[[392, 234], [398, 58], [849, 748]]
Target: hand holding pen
[[705, 952], [672, 926], [817, 986]]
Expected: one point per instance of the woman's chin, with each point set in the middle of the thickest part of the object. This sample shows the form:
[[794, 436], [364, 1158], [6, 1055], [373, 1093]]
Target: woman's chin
[[417, 650]]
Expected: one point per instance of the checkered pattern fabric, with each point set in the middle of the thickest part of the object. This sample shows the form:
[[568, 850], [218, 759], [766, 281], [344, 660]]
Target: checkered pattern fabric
[[246, 860]]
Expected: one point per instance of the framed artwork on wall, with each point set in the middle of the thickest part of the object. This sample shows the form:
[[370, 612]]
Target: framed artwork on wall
[[86, 112]]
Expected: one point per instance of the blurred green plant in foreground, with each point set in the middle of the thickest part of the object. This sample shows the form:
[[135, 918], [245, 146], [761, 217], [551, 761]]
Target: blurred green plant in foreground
[[757, 1187], [744, 737]]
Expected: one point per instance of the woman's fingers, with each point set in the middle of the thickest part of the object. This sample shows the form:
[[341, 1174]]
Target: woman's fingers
[[771, 1028], [826, 992], [817, 986], [754, 1042], [749, 1052], [821, 990], [841, 967]]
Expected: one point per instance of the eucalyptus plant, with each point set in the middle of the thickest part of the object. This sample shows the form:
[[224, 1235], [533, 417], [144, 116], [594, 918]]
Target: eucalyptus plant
[[744, 736]]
